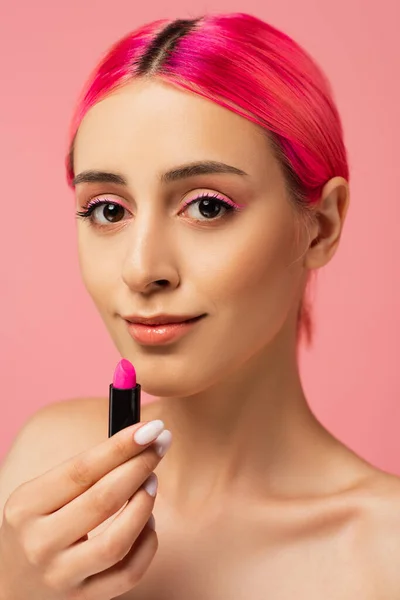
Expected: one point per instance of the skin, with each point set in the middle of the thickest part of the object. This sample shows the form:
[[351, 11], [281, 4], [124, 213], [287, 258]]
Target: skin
[[244, 436], [256, 498]]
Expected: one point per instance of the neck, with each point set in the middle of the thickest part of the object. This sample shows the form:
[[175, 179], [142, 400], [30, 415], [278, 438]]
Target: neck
[[252, 434]]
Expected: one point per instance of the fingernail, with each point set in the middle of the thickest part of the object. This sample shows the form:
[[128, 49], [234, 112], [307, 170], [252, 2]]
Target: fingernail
[[151, 484], [163, 442], [151, 522], [148, 432]]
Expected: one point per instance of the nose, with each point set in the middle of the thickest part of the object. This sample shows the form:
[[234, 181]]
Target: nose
[[149, 263]]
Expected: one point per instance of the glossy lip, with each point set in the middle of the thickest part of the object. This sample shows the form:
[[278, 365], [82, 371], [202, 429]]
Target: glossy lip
[[148, 334], [163, 319]]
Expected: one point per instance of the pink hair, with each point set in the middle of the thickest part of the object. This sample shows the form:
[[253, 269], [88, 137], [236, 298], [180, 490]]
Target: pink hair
[[246, 65]]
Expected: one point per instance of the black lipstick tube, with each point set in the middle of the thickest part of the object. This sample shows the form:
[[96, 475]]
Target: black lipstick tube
[[123, 408]]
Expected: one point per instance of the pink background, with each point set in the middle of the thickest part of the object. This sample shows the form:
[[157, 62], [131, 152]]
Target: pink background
[[53, 344]]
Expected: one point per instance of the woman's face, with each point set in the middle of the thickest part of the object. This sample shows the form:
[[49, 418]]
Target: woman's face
[[155, 247]]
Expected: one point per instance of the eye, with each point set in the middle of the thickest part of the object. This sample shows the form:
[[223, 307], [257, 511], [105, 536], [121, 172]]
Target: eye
[[208, 207], [102, 212]]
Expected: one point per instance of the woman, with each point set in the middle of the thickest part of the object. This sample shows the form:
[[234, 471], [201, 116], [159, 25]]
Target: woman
[[211, 182]]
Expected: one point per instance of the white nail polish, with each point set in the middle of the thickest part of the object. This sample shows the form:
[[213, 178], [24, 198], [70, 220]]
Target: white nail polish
[[163, 442], [151, 484], [148, 432]]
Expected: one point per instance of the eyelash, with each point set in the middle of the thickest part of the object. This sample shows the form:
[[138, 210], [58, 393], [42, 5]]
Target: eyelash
[[88, 210]]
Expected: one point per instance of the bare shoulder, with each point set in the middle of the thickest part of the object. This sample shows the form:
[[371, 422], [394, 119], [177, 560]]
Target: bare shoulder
[[50, 436], [382, 499], [380, 531], [58, 430]]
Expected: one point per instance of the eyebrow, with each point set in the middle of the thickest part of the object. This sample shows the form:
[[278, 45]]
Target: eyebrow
[[181, 172]]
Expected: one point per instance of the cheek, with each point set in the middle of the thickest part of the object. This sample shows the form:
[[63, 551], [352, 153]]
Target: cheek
[[98, 268], [266, 267], [257, 279]]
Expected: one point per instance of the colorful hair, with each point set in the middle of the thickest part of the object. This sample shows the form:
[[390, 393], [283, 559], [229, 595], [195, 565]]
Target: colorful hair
[[246, 65]]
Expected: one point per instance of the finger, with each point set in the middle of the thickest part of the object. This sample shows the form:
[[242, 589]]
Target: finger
[[63, 483], [107, 548], [100, 502], [126, 574]]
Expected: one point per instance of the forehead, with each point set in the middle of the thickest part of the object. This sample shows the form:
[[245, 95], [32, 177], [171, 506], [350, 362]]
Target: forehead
[[152, 124]]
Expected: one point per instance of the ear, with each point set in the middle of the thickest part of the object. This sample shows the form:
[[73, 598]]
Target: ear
[[330, 214]]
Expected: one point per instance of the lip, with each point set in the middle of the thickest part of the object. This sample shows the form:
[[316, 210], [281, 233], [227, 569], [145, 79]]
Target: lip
[[161, 329], [162, 319]]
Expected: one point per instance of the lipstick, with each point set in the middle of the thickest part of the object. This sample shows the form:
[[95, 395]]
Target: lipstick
[[124, 398], [150, 334]]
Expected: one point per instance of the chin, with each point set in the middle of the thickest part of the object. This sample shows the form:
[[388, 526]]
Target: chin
[[167, 387], [177, 371], [169, 376]]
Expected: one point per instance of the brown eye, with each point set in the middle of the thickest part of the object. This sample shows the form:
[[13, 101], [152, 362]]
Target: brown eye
[[209, 208], [100, 212], [111, 212]]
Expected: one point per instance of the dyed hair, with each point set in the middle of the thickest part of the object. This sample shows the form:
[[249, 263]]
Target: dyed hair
[[244, 64]]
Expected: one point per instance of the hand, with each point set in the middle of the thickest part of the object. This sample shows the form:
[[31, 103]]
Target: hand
[[45, 551]]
